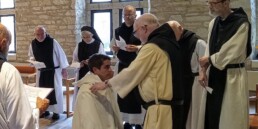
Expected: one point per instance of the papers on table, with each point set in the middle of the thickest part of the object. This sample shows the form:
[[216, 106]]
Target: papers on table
[[37, 65], [34, 92], [121, 43]]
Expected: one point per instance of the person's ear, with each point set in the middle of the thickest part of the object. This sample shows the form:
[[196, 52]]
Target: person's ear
[[3, 42], [95, 69]]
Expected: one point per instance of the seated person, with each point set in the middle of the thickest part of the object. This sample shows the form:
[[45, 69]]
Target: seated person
[[96, 111]]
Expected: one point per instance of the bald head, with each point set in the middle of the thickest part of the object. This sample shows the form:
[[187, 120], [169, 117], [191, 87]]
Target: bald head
[[144, 25], [129, 14], [177, 28], [40, 33], [5, 39], [129, 8]]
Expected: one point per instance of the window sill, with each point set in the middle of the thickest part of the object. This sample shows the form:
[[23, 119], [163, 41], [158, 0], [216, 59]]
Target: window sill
[[11, 57]]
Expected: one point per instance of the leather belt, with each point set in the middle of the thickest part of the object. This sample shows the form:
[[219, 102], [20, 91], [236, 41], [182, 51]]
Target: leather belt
[[48, 69], [163, 102], [240, 65]]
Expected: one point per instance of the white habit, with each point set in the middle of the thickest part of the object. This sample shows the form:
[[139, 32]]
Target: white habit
[[196, 113], [92, 111], [60, 60], [15, 109]]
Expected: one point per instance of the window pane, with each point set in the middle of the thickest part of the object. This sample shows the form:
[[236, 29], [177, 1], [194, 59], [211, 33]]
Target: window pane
[[102, 26], [6, 4], [8, 21], [128, 0], [101, 1], [138, 13]]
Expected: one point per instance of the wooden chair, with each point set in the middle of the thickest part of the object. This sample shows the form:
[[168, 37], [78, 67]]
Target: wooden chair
[[67, 91], [253, 118], [27, 73]]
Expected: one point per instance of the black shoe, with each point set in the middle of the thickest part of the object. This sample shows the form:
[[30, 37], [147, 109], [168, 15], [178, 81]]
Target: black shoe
[[138, 126], [127, 126], [55, 116], [45, 114]]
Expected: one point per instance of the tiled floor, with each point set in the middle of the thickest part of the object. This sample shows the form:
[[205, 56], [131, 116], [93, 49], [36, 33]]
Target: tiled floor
[[62, 123], [66, 123]]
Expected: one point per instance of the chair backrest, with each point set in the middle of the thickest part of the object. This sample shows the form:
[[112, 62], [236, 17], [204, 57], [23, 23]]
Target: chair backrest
[[25, 68]]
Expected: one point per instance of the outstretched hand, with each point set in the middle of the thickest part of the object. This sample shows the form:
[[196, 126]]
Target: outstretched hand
[[131, 48], [98, 86]]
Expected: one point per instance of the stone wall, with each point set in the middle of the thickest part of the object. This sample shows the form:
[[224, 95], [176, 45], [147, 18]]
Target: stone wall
[[64, 18], [58, 17], [193, 14]]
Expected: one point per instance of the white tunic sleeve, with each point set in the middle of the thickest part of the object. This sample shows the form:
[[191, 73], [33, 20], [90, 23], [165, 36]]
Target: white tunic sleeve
[[198, 53], [60, 55], [101, 49], [234, 50], [30, 53], [14, 102], [75, 54]]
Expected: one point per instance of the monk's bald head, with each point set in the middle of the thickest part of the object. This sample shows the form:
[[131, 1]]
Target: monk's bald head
[[145, 24], [149, 20], [177, 28], [40, 33], [5, 39]]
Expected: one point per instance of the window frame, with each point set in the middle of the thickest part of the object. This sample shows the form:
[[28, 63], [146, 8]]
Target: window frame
[[14, 33], [7, 8], [129, 0], [111, 21], [92, 2], [121, 13], [10, 12]]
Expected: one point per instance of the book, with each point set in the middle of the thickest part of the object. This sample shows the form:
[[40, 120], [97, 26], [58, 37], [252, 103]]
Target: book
[[34, 92], [37, 64], [121, 43]]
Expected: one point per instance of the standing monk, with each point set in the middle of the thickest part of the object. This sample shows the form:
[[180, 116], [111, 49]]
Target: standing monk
[[47, 50], [129, 106], [228, 47]]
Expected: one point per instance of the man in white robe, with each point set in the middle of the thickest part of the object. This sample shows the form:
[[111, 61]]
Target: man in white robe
[[96, 111], [59, 61], [228, 47], [15, 109]]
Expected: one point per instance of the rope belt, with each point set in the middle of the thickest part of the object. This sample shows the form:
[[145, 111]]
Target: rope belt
[[240, 65], [196, 74], [48, 69], [163, 102]]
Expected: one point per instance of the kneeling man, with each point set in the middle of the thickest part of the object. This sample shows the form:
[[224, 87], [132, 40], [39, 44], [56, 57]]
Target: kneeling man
[[96, 111]]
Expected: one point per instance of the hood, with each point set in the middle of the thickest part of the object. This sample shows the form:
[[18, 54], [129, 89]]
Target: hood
[[89, 78]]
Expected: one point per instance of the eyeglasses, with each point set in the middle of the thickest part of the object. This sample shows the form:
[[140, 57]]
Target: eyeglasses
[[214, 3], [129, 15], [134, 32], [143, 27]]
